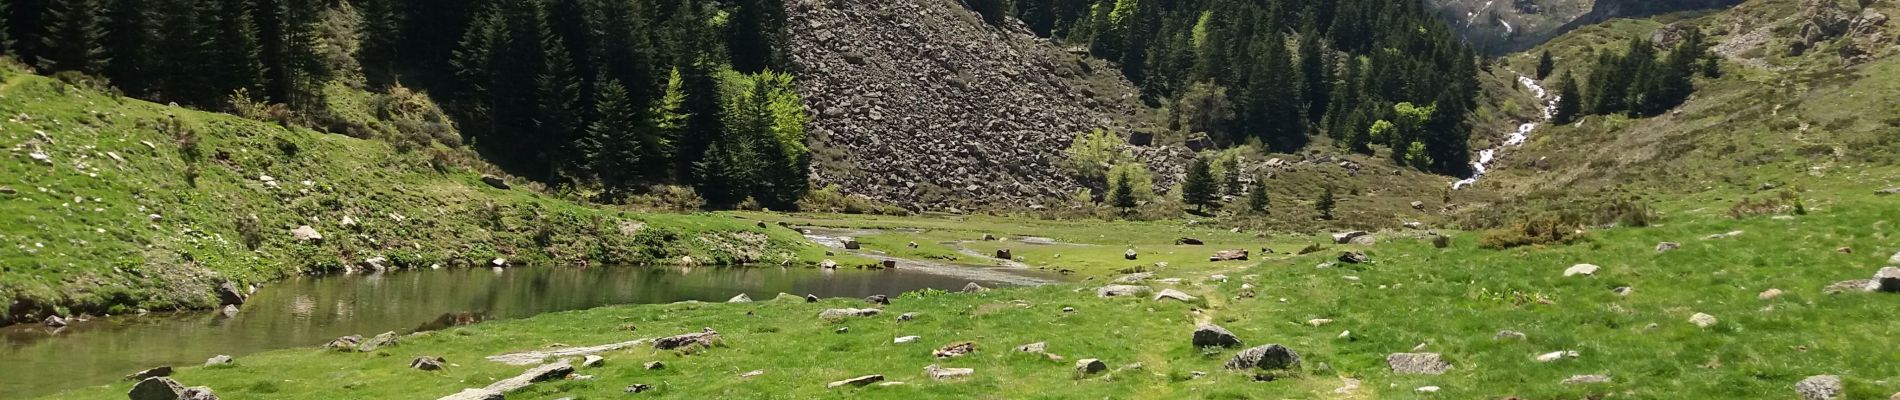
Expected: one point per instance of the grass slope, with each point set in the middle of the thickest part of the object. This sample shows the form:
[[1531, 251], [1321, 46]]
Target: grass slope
[[110, 222]]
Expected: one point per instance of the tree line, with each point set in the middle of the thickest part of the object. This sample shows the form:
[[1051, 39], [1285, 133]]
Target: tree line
[[620, 94], [1639, 81], [1281, 72]]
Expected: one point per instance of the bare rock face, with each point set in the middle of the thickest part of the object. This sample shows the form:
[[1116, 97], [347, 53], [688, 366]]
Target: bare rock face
[[1506, 26], [917, 103]]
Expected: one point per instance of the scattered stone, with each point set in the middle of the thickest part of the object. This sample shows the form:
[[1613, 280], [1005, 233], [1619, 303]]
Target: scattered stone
[[1702, 320], [1556, 355], [1667, 246], [1171, 294], [878, 299], [1217, 278], [1856, 285], [955, 350], [843, 329], [905, 339], [638, 388], [592, 361], [8, 190], [1229, 255], [1269, 357], [654, 365], [940, 373], [1188, 241], [1888, 191], [1088, 366], [219, 360], [1318, 322], [850, 244], [1347, 237], [427, 363], [495, 182], [157, 372], [1068, 310], [861, 381], [1135, 277], [1426, 389], [989, 237], [229, 311], [842, 313], [1581, 269], [1887, 280], [1210, 335], [56, 322], [1508, 335], [1844, 250], [888, 264], [157, 388], [1441, 241], [705, 337], [1819, 387], [1894, 260], [1769, 294], [1418, 205], [1121, 290], [1126, 255], [974, 288], [1417, 363], [1036, 347], [1623, 290], [811, 298], [752, 373], [1353, 257], [828, 264], [1345, 334], [384, 339], [1004, 254], [499, 262], [228, 294], [306, 234], [906, 317], [1720, 236], [741, 298], [1585, 379], [912, 245], [344, 344]]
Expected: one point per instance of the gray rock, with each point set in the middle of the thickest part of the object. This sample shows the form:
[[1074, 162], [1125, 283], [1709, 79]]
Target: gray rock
[[1441, 241], [974, 288], [1353, 257], [1004, 254], [1894, 260], [906, 317], [654, 365], [705, 337], [638, 388], [1366, 240], [1417, 364], [428, 363], [850, 244], [861, 381], [1228, 255], [1887, 280], [229, 311], [939, 373], [157, 372], [229, 295], [1819, 387], [157, 388], [346, 343], [1888, 191], [1130, 254], [1585, 379], [1347, 237], [1036, 347], [1508, 335], [1210, 335], [1188, 241], [1623, 290], [955, 350], [1667, 246], [1121, 291], [386, 339], [741, 298], [1582, 269], [1171, 294], [476, 394], [878, 299], [55, 321], [593, 361], [198, 393], [1702, 320], [1089, 366], [495, 182], [218, 360], [1135, 277], [842, 313], [1851, 286], [306, 234], [1268, 357]]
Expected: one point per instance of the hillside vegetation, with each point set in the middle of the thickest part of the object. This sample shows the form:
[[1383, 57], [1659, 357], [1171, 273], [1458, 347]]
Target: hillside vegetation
[[111, 205]]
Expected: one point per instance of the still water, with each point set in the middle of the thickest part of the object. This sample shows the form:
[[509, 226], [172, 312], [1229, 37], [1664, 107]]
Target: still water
[[312, 310]]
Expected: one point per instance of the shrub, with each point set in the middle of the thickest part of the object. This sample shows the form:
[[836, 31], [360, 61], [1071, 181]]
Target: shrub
[[1782, 202], [828, 199], [250, 231], [1541, 231]]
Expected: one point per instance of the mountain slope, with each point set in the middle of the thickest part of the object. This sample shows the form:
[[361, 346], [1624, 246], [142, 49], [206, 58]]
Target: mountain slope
[[110, 205], [1503, 26]]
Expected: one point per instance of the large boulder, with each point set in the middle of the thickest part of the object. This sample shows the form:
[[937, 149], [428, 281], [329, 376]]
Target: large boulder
[[229, 295], [1819, 387], [157, 388], [385, 339], [1417, 364], [705, 337], [1347, 237], [1210, 335], [1270, 357], [1121, 291]]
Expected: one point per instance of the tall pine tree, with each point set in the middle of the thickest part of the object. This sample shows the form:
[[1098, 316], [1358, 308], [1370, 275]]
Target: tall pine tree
[[74, 38], [1569, 101], [130, 38], [235, 50], [610, 145], [558, 116], [1199, 189]]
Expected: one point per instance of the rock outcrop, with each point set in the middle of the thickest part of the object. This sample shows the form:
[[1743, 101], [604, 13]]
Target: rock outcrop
[[920, 104]]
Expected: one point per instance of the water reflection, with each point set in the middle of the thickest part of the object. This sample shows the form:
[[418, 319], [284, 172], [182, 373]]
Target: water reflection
[[310, 311]]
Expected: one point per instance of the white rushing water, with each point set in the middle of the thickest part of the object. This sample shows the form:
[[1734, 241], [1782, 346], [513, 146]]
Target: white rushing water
[[1517, 138]]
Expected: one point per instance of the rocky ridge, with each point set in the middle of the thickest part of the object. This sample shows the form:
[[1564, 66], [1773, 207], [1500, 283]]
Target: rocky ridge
[[920, 104]]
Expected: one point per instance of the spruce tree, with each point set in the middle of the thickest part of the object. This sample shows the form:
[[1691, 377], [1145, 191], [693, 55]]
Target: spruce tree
[[1257, 198], [6, 38], [182, 45], [611, 145], [705, 121], [1545, 65], [624, 49], [758, 35], [75, 37], [382, 37], [558, 116], [1569, 101], [1317, 74], [236, 50], [1122, 191], [669, 119], [1326, 203], [130, 38], [1199, 189]]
